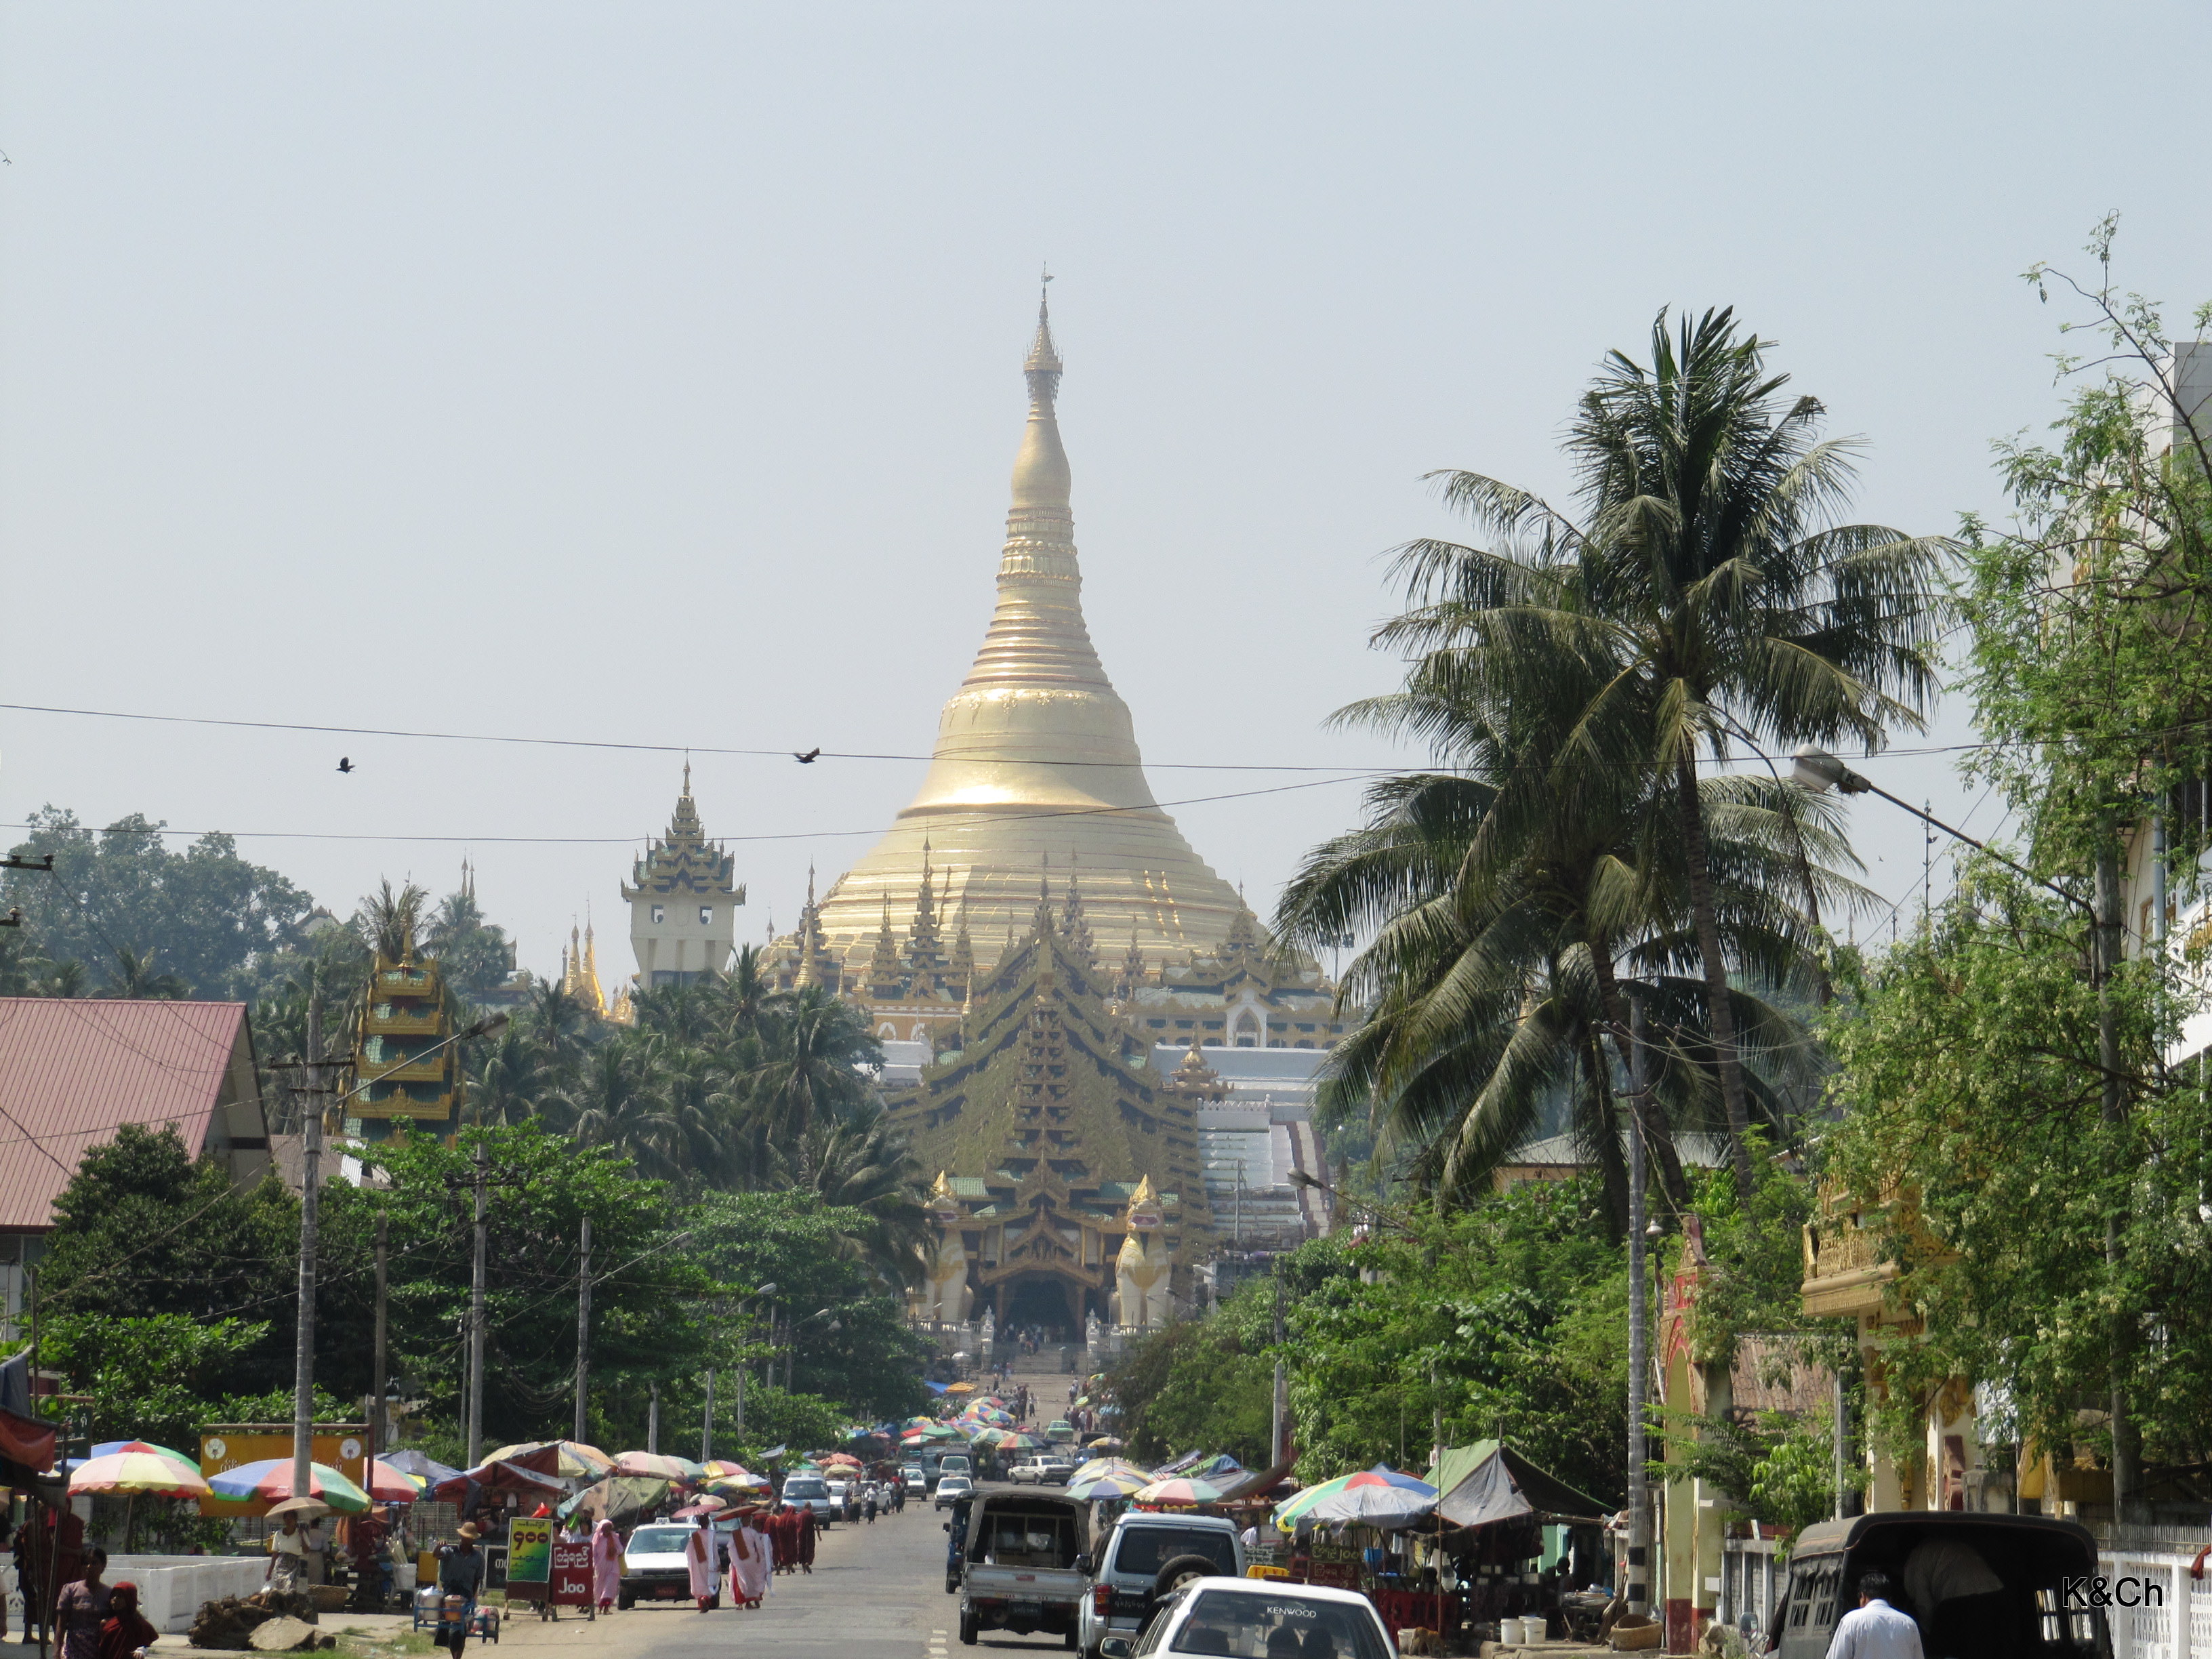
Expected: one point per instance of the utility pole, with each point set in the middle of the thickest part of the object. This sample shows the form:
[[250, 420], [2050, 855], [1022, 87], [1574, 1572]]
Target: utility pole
[[738, 1403], [707, 1422], [653, 1420], [311, 1166], [481, 1180], [2127, 1442], [377, 1384], [1282, 1393], [1639, 1503], [583, 1328]]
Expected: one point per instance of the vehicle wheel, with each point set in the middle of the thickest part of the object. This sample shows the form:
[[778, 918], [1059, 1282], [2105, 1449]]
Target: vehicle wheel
[[968, 1628], [1175, 1574], [1068, 1640]]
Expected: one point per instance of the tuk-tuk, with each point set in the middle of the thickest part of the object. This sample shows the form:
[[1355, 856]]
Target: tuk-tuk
[[2042, 1607]]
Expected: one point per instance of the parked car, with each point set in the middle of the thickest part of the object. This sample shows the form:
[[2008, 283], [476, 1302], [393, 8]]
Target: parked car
[[914, 1480], [1059, 1432], [2023, 1562], [1146, 1557], [653, 1568], [1248, 1618], [952, 1487], [1050, 1468], [811, 1492]]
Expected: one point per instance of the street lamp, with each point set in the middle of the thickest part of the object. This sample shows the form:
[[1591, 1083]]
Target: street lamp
[[737, 1403], [1816, 771]]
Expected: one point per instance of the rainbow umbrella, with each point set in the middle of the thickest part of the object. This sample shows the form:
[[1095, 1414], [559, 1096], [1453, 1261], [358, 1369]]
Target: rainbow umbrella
[[1010, 1442], [389, 1486], [1380, 1496], [139, 1473], [269, 1481], [106, 1448], [1179, 1494], [1107, 1483]]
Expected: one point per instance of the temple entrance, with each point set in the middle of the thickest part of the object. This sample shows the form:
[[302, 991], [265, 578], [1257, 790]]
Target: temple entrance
[[1044, 1302]]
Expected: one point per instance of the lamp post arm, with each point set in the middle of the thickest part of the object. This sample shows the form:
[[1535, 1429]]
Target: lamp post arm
[[2014, 865]]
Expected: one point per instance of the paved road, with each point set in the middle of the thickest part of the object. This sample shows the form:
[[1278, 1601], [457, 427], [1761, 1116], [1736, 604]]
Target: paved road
[[875, 1593]]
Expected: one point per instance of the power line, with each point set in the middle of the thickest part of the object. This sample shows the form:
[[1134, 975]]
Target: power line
[[596, 743], [791, 835]]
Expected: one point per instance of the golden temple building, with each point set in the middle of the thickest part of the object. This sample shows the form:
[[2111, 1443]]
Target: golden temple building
[[1035, 767]]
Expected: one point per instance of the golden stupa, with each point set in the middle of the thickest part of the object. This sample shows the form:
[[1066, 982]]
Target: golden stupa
[[1036, 776]]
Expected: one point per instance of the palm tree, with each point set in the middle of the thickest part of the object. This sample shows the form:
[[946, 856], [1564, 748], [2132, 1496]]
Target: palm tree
[[137, 979], [1706, 568], [607, 1106], [865, 1164], [391, 923], [512, 1075], [810, 1071]]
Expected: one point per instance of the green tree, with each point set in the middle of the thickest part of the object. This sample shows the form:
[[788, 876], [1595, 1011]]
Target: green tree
[[473, 956], [1705, 566], [214, 920]]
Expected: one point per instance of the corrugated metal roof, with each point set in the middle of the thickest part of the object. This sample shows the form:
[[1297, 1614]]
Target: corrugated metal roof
[[74, 1070]]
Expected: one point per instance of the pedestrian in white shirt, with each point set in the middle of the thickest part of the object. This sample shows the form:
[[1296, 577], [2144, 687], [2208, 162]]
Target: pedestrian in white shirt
[[1873, 1629]]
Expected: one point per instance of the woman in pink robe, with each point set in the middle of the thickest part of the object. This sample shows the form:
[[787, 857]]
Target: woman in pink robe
[[607, 1564], [749, 1562], [701, 1551]]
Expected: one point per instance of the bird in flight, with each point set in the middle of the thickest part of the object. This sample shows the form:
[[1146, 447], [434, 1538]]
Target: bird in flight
[[806, 759], [345, 763]]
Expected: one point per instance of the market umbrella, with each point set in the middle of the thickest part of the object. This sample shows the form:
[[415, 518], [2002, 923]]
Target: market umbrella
[[108, 1447], [429, 1470], [139, 1473], [658, 1466], [960, 1387], [1104, 1443], [269, 1481], [572, 1458], [1182, 1492], [738, 1474], [309, 1507], [1107, 1483], [1380, 1496], [387, 1484], [700, 1506], [616, 1498], [1020, 1442]]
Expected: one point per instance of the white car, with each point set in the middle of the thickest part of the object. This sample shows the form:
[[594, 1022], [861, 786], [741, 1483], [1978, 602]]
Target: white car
[[653, 1568], [1041, 1469], [1246, 1618], [952, 1487]]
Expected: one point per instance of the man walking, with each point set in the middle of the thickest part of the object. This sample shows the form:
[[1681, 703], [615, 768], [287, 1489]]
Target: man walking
[[460, 1581], [1873, 1629]]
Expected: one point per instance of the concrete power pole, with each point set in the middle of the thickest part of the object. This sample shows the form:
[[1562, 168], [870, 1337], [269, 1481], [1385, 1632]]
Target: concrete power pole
[[480, 1181], [707, 1422], [1639, 1502], [583, 1330], [377, 1384], [303, 1350]]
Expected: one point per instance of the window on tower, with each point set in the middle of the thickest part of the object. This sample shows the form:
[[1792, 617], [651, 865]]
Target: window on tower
[[706, 915], [660, 913]]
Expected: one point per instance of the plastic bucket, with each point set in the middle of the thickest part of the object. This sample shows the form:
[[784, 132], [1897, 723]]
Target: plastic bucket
[[1509, 1632]]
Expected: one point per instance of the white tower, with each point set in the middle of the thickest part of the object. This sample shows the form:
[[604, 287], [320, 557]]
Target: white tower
[[682, 902]]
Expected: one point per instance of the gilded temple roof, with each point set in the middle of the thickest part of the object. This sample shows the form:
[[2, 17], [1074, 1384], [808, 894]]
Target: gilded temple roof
[[683, 861]]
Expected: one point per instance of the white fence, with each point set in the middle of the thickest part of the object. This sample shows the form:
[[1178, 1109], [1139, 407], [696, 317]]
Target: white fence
[[171, 1588], [2173, 1615], [2170, 1617]]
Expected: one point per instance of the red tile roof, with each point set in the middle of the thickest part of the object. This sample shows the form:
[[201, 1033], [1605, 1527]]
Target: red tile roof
[[75, 1070]]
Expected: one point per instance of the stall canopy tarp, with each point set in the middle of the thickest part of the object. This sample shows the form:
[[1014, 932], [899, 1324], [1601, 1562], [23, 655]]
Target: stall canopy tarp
[[1493, 1482]]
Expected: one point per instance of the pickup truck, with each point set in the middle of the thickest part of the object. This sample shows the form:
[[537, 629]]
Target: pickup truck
[[1041, 1469], [1019, 1573]]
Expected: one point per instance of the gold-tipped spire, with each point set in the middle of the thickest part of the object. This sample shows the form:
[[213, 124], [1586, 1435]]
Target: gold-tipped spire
[[1035, 751]]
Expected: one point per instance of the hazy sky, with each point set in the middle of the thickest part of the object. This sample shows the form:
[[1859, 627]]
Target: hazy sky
[[650, 372]]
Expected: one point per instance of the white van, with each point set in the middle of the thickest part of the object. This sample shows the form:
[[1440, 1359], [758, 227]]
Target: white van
[[1143, 1558]]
